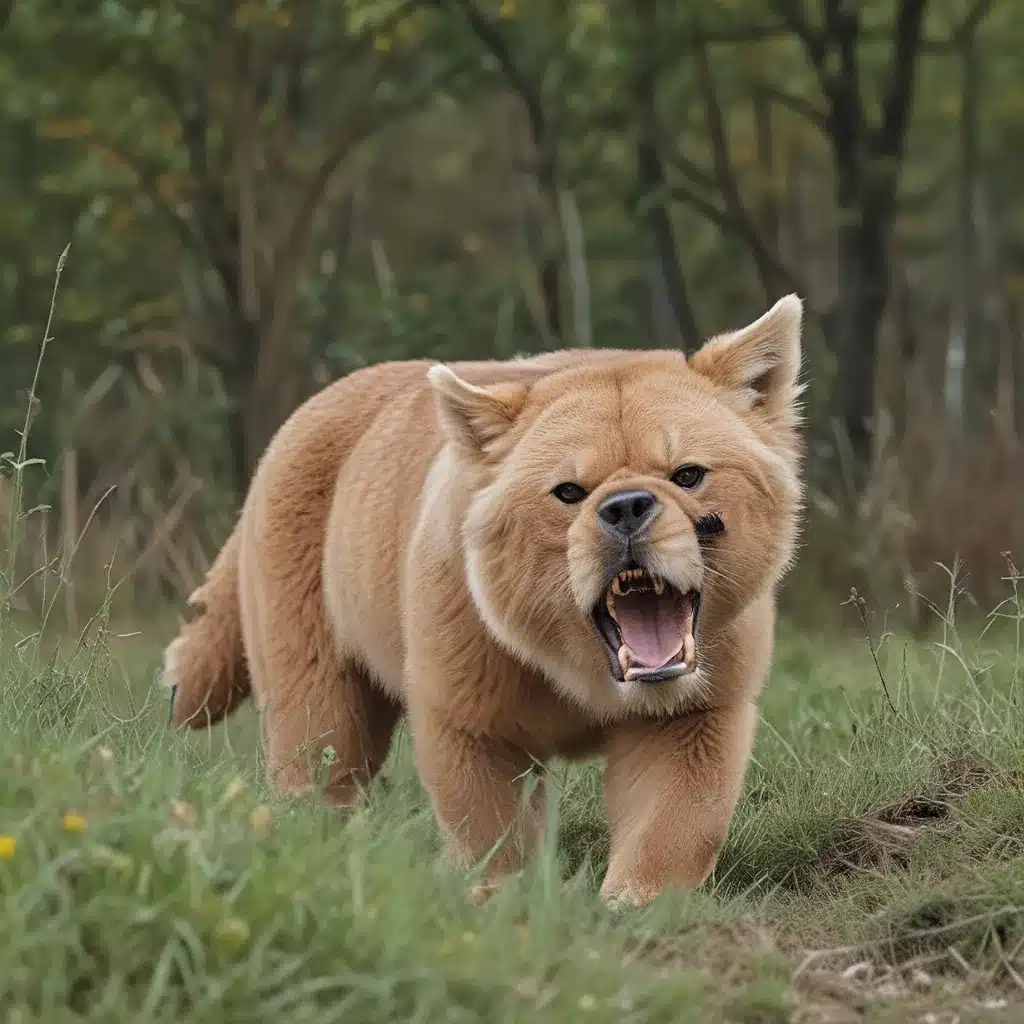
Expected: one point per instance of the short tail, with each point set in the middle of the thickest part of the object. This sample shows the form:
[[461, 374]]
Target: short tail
[[205, 665]]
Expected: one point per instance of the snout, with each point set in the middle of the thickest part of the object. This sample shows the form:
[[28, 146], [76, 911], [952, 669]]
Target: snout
[[632, 526], [626, 516]]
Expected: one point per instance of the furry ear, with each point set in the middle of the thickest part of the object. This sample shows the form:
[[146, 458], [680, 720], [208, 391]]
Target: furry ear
[[760, 361], [472, 416]]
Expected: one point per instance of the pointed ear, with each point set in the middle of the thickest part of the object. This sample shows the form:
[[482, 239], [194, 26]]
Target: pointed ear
[[761, 361], [472, 416]]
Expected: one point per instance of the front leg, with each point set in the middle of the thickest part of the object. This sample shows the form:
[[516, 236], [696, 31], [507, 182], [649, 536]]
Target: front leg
[[671, 788], [479, 788]]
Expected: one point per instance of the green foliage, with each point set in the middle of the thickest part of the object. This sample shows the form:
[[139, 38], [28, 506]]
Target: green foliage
[[263, 194], [152, 875]]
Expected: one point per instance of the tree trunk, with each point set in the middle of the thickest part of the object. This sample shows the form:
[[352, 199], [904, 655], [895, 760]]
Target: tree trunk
[[768, 210], [862, 281], [277, 385], [980, 343], [1015, 327], [261, 401], [855, 321], [862, 273], [674, 319], [237, 376]]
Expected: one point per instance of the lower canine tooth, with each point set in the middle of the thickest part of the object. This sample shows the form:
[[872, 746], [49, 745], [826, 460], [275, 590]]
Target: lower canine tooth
[[624, 653], [689, 649]]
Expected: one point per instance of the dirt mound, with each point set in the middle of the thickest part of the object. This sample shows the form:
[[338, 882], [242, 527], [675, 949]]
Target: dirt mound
[[882, 840]]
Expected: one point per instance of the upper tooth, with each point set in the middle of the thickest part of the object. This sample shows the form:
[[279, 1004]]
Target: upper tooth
[[617, 586], [659, 585]]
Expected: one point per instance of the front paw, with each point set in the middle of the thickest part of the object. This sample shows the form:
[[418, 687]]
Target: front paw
[[619, 893], [481, 893]]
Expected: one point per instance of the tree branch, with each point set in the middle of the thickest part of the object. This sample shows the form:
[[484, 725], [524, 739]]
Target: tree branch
[[796, 104], [544, 143], [924, 198], [972, 22], [725, 176], [148, 178], [494, 41], [293, 58], [889, 141], [795, 18], [707, 209], [690, 169], [728, 225], [288, 255], [291, 248], [900, 91], [842, 32], [671, 302], [215, 234]]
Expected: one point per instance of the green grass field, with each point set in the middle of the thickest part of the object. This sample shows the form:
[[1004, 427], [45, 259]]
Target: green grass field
[[874, 870]]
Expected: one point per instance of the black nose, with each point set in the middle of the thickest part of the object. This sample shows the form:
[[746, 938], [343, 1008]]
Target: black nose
[[624, 515]]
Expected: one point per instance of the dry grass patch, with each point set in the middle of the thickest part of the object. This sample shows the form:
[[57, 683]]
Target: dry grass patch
[[883, 840]]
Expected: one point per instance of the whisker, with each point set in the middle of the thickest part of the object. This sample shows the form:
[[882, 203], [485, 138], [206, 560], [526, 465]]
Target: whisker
[[712, 571]]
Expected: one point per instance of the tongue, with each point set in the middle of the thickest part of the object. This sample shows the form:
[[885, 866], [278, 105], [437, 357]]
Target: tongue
[[653, 625]]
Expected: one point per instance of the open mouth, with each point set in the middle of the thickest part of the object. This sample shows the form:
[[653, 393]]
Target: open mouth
[[647, 626]]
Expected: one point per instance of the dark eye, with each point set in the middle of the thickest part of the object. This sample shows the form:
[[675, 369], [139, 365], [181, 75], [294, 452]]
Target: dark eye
[[688, 476], [569, 493]]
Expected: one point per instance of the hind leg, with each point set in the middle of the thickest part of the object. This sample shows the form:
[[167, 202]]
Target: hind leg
[[329, 707], [310, 691], [311, 695]]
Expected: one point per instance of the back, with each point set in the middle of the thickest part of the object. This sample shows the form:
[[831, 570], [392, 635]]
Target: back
[[387, 411]]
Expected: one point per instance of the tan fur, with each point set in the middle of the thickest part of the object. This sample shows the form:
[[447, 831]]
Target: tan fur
[[400, 553]]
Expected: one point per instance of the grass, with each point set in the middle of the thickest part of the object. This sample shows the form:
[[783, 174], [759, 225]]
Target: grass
[[874, 870], [875, 865]]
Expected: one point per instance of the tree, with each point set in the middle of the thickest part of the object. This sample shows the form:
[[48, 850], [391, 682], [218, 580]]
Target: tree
[[234, 120], [868, 151]]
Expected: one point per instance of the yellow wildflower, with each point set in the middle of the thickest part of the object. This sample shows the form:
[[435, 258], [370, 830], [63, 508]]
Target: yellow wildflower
[[7, 845], [72, 821]]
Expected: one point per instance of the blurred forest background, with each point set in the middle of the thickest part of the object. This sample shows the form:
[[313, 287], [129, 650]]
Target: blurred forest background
[[261, 195]]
